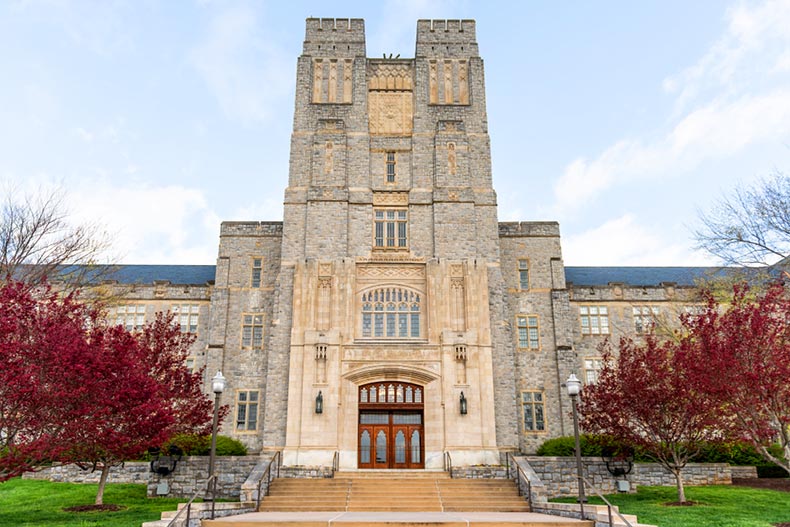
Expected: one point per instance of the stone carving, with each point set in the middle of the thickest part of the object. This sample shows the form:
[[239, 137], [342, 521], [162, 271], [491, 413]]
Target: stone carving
[[390, 76], [329, 157], [348, 68], [389, 271], [398, 199], [433, 83], [390, 113], [325, 269], [456, 270], [332, 88], [463, 83], [448, 82], [318, 80], [452, 160]]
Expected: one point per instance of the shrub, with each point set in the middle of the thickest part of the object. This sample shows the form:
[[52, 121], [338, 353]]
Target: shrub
[[566, 446], [194, 445]]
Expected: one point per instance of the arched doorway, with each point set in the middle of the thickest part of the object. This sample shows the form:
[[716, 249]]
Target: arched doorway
[[391, 425]]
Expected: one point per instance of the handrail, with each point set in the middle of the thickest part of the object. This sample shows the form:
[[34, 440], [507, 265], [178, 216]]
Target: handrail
[[267, 475], [335, 463], [519, 474], [188, 507], [448, 463], [608, 504]]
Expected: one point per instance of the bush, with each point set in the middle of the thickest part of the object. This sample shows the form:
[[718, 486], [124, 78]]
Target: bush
[[566, 446], [194, 445]]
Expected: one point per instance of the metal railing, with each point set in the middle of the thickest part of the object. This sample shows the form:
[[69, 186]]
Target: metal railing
[[448, 463], [188, 506], [608, 504], [267, 476], [335, 463], [520, 476]]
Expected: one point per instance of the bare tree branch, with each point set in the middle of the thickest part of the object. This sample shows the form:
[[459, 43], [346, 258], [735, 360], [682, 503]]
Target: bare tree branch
[[751, 227]]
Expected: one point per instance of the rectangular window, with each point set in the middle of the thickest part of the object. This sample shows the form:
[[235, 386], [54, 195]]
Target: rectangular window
[[592, 366], [594, 320], [390, 167], [532, 407], [523, 274], [252, 331], [645, 318], [257, 270], [247, 410], [190, 363], [390, 228], [186, 316], [131, 317], [528, 334]]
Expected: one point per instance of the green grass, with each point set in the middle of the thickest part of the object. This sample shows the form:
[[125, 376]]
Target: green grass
[[717, 506], [28, 503]]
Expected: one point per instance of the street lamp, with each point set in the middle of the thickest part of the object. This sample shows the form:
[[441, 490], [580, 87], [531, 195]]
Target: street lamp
[[217, 386], [574, 386]]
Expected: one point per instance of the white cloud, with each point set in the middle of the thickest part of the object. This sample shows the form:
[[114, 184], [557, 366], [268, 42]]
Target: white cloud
[[242, 67], [622, 241], [150, 224], [734, 97]]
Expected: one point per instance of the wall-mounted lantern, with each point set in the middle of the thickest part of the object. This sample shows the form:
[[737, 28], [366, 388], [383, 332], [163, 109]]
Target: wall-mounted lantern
[[164, 463], [319, 403], [463, 404]]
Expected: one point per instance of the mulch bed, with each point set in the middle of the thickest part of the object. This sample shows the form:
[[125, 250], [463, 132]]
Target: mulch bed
[[109, 507], [780, 484]]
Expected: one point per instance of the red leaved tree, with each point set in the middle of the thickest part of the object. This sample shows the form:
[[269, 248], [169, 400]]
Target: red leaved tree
[[73, 389], [44, 361], [644, 397], [740, 357], [142, 395]]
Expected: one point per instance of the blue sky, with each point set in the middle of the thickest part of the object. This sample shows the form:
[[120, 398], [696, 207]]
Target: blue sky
[[618, 119]]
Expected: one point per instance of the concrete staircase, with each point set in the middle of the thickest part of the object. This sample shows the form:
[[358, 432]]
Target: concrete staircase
[[371, 491]]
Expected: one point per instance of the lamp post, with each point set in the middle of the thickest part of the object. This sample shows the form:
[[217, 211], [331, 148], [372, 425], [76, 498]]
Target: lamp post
[[217, 386], [574, 386]]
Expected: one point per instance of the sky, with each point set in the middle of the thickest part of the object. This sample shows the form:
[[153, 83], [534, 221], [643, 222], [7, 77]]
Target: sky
[[621, 120]]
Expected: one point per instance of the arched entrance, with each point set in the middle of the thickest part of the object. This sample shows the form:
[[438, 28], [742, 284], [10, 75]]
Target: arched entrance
[[391, 431]]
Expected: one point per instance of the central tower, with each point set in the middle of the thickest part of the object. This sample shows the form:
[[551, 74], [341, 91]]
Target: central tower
[[390, 260]]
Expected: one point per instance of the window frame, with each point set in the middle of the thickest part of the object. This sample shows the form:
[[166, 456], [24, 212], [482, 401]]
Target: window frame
[[246, 404], [390, 162], [394, 309], [523, 269], [394, 229], [193, 310], [645, 317], [596, 366], [253, 324], [585, 312], [137, 324], [256, 272], [527, 327], [533, 404]]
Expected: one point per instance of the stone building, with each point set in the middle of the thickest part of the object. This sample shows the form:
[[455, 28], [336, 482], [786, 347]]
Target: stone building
[[390, 317]]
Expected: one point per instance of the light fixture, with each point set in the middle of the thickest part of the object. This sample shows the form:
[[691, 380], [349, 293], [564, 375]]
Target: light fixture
[[319, 403], [574, 386], [218, 383], [463, 404]]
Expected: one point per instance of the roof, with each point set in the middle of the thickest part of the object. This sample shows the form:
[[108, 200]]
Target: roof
[[638, 276], [148, 274]]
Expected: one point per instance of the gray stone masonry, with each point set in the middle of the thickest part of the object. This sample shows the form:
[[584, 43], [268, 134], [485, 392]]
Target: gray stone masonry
[[192, 472], [558, 474], [129, 472]]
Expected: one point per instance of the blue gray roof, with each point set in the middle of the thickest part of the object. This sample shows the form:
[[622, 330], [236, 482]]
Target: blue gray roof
[[638, 276], [147, 274]]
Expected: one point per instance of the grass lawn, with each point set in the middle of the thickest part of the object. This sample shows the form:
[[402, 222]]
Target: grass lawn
[[40, 503], [717, 506]]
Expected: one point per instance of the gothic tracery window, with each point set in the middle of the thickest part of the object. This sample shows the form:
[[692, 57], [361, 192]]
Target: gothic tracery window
[[391, 312]]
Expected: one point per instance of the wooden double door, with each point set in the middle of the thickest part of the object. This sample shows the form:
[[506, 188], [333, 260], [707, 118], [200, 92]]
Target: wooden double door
[[391, 439], [391, 433]]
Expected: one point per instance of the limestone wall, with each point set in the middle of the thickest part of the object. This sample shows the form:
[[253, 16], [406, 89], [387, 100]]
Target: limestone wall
[[130, 472], [558, 474]]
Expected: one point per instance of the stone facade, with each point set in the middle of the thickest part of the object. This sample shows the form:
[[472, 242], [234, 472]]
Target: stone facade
[[390, 268]]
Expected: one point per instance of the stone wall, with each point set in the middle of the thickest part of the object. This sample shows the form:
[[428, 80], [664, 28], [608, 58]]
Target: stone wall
[[192, 472], [558, 474], [129, 472], [480, 472]]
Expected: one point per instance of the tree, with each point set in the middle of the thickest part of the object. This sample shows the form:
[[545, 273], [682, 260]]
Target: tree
[[44, 358], [37, 241], [643, 397], [740, 357], [752, 227], [74, 389], [143, 394]]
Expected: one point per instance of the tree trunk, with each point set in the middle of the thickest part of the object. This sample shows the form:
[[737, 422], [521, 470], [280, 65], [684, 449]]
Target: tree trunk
[[105, 471], [681, 490]]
